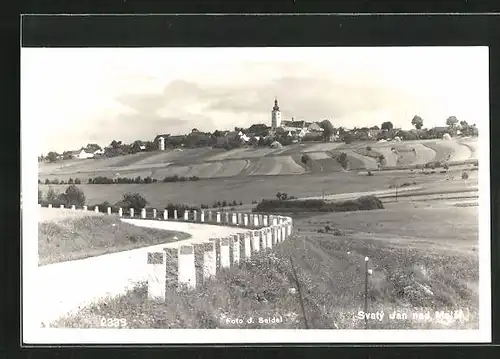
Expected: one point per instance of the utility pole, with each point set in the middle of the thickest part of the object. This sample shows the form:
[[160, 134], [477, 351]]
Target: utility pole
[[366, 291]]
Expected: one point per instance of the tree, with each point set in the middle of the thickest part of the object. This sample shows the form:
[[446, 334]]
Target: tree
[[328, 129], [74, 195], [115, 144], [52, 156], [51, 194], [464, 124], [417, 122], [380, 160], [451, 122], [92, 147], [305, 159], [133, 200], [342, 160], [387, 126], [67, 155]]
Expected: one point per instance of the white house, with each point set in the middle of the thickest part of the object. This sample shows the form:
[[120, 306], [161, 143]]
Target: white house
[[84, 155]]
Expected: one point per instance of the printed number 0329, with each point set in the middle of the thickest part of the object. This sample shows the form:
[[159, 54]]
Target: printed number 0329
[[113, 322]]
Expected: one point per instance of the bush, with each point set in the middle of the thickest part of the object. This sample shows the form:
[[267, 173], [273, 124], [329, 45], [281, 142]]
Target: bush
[[51, 194], [316, 205], [47, 181], [342, 160], [132, 200], [465, 175], [74, 196], [148, 180], [370, 173], [77, 181], [70, 181]]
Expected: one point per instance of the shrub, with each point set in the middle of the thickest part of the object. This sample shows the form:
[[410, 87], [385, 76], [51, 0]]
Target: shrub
[[316, 205], [101, 180], [56, 181], [132, 200], [342, 160], [224, 203], [51, 194], [74, 196], [155, 180], [465, 175], [321, 230], [70, 181], [47, 181], [370, 173], [194, 178], [62, 182], [77, 181], [328, 228], [90, 181]]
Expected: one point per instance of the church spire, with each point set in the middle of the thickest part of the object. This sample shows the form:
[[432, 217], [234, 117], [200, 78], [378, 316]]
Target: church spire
[[276, 107]]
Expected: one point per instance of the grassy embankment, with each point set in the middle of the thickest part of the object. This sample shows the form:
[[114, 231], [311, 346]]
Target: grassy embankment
[[81, 237], [422, 260]]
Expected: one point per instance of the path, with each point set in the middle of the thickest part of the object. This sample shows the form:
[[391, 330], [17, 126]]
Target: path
[[77, 283]]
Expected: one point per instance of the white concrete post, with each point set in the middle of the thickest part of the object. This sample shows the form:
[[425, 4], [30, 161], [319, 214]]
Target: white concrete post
[[225, 261], [218, 217], [85, 208], [255, 220], [202, 216], [154, 212], [283, 231], [256, 241], [275, 221], [210, 216], [234, 218], [143, 212], [216, 242], [266, 221], [131, 212], [262, 239], [109, 210], [96, 209], [156, 275], [175, 214], [186, 215], [274, 234], [278, 230], [226, 217], [261, 219], [269, 239], [247, 244], [120, 212], [73, 208], [209, 260], [240, 218], [195, 215], [49, 206], [165, 214], [61, 206], [245, 220], [187, 271], [289, 229], [250, 219], [236, 249]]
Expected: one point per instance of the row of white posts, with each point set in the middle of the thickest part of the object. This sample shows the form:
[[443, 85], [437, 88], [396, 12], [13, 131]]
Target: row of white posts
[[190, 265], [197, 263], [228, 218]]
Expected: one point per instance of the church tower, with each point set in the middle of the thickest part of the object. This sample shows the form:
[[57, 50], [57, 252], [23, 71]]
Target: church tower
[[275, 115]]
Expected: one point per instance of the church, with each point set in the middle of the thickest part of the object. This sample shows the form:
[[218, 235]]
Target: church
[[299, 128]]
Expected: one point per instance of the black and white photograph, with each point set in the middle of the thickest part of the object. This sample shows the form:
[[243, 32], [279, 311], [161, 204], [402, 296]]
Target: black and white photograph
[[281, 194]]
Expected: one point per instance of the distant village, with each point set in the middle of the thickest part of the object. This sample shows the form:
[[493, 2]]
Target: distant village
[[279, 133]]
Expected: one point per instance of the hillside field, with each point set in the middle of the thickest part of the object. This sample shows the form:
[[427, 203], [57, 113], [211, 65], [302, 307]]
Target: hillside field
[[243, 162]]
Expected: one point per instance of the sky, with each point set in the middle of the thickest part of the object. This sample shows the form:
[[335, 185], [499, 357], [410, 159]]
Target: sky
[[75, 96]]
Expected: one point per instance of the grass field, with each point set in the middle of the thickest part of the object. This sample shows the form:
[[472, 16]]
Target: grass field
[[218, 163], [407, 277], [250, 188], [63, 236]]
